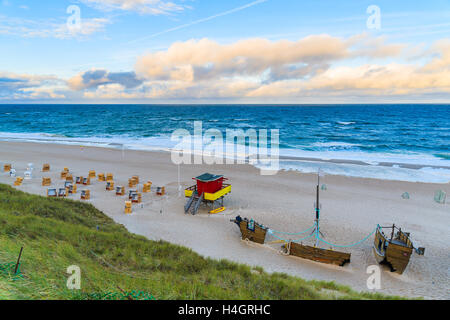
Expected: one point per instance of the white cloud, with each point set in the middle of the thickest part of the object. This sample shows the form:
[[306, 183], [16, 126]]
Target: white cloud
[[197, 60], [25, 86], [318, 66], [110, 91], [206, 59], [153, 7], [96, 77], [50, 28]]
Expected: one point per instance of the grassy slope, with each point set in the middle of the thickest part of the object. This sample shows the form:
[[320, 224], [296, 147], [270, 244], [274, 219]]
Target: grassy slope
[[58, 233]]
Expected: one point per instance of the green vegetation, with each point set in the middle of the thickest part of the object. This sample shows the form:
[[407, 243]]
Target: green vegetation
[[59, 233]]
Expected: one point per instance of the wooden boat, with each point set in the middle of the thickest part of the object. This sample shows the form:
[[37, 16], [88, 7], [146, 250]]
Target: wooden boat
[[317, 254], [251, 230], [395, 251]]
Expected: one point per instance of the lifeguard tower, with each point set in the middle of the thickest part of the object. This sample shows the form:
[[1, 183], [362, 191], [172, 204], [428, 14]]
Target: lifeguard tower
[[210, 189]]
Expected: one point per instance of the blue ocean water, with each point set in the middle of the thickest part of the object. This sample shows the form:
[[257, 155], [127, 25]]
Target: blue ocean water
[[411, 134]]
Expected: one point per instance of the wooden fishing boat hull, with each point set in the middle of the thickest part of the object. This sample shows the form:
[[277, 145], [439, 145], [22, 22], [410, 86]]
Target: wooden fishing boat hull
[[393, 253], [398, 257], [258, 235], [379, 247], [318, 254]]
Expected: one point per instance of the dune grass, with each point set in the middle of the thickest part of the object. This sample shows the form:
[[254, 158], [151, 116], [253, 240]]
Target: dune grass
[[58, 233]]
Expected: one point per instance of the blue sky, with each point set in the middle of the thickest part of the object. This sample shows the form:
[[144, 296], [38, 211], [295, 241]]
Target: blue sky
[[204, 51]]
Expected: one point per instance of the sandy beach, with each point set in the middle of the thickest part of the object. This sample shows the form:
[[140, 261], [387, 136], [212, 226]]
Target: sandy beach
[[351, 208]]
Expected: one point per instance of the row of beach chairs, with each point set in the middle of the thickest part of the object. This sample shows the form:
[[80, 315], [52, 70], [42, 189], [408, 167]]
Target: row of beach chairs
[[8, 167], [70, 186]]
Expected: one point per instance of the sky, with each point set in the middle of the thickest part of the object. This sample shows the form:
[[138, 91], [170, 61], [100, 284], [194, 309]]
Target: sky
[[234, 51]]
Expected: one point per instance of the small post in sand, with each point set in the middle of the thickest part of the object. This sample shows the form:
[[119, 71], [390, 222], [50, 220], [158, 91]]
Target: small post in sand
[[18, 261]]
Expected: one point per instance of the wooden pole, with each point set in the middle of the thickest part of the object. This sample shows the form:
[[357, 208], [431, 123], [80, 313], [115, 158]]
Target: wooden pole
[[392, 234], [18, 261], [179, 181], [125, 293], [317, 204], [318, 208]]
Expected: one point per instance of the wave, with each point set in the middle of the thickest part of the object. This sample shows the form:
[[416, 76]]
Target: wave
[[395, 173], [345, 123], [381, 165], [334, 145], [445, 156], [369, 157], [51, 135]]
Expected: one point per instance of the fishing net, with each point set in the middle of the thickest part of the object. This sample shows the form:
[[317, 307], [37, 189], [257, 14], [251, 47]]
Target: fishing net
[[7, 270], [440, 196], [324, 187], [405, 196]]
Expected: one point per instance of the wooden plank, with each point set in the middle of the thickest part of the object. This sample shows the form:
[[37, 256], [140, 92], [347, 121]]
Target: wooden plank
[[319, 254], [258, 236]]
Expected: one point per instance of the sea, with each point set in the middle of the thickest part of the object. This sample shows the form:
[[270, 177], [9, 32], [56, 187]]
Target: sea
[[395, 142]]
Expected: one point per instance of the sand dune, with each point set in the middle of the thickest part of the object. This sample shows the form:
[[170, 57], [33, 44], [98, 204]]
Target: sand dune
[[351, 208]]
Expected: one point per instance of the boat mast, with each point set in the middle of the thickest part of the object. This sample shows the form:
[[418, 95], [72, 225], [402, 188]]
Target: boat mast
[[317, 208]]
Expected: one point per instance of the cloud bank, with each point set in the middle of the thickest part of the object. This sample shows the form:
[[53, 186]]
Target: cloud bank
[[318, 68], [96, 78], [22, 86]]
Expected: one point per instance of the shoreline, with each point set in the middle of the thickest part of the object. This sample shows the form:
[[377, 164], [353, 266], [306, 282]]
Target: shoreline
[[363, 163], [351, 208], [282, 158]]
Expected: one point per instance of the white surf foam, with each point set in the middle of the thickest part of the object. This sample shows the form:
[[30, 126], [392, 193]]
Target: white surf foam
[[372, 170], [426, 174]]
